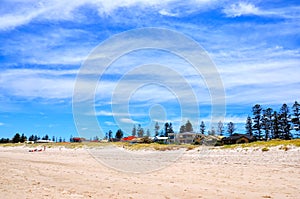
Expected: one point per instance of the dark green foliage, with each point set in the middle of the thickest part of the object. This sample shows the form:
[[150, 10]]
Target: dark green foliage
[[296, 117], [16, 138], [256, 110], [140, 131], [202, 128], [285, 119], [156, 129], [276, 130], [168, 129], [4, 140], [19, 138], [248, 126], [182, 129], [46, 137], [109, 135], [119, 134], [266, 122], [188, 126], [230, 128]]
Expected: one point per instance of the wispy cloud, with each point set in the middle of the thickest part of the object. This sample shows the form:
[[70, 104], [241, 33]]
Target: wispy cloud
[[110, 123], [241, 8], [247, 8], [56, 10], [30, 83]]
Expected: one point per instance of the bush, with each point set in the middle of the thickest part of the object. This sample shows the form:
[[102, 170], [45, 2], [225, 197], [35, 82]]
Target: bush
[[265, 149], [146, 140]]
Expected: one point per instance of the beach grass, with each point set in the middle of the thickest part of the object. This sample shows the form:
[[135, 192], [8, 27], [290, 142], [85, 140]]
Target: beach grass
[[266, 144], [284, 145], [126, 145]]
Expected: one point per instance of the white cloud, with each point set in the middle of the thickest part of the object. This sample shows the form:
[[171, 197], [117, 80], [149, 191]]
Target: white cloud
[[241, 8], [1, 124], [24, 13], [167, 13], [244, 8], [110, 123], [30, 83], [127, 121]]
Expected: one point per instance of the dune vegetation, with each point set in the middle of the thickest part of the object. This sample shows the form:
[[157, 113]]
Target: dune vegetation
[[265, 144]]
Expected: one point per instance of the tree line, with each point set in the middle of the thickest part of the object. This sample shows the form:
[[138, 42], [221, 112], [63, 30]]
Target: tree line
[[22, 138], [187, 127], [270, 124]]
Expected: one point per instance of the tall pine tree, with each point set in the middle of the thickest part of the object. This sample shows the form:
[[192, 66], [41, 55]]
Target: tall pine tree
[[248, 126], [296, 117], [276, 130], [220, 128], [266, 123], [285, 122], [230, 128], [202, 127], [256, 110]]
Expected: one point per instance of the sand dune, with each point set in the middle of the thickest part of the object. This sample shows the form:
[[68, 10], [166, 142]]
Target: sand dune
[[199, 173]]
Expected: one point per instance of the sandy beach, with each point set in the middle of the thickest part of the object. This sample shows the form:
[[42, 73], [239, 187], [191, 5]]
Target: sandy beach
[[198, 173]]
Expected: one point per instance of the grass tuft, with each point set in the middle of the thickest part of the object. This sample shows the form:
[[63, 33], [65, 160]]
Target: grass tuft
[[265, 149], [271, 143]]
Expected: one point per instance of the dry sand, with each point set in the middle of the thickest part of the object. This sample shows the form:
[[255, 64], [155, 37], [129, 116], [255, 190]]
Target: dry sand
[[199, 173]]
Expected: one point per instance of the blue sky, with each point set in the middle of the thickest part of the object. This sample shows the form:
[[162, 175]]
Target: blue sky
[[253, 44]]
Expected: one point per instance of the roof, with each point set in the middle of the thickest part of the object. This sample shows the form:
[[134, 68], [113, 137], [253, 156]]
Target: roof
[[161, 138], [43, 141], [129, 138]]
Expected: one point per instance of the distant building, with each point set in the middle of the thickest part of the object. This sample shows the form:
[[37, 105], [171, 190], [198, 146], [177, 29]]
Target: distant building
[[78, 139], [43, 141], [171, 138], [129, 138], [185, 138]]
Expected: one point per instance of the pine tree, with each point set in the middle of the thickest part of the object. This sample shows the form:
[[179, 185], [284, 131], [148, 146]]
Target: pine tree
[[266, 123], [202, 127], [171, 128], [31, 138], [188, 126], [248, 126], [182, 129], [275, 131], [230, 128], [16, 138], [285, 122], [119, 134], [23, 138], [166, 129], [140, 131], [220, 128], [296, 117], [109, 136], [156, 129], [256, 110], [133, 131]]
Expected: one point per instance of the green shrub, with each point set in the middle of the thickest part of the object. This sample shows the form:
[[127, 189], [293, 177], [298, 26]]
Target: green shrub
[[265, 149]]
